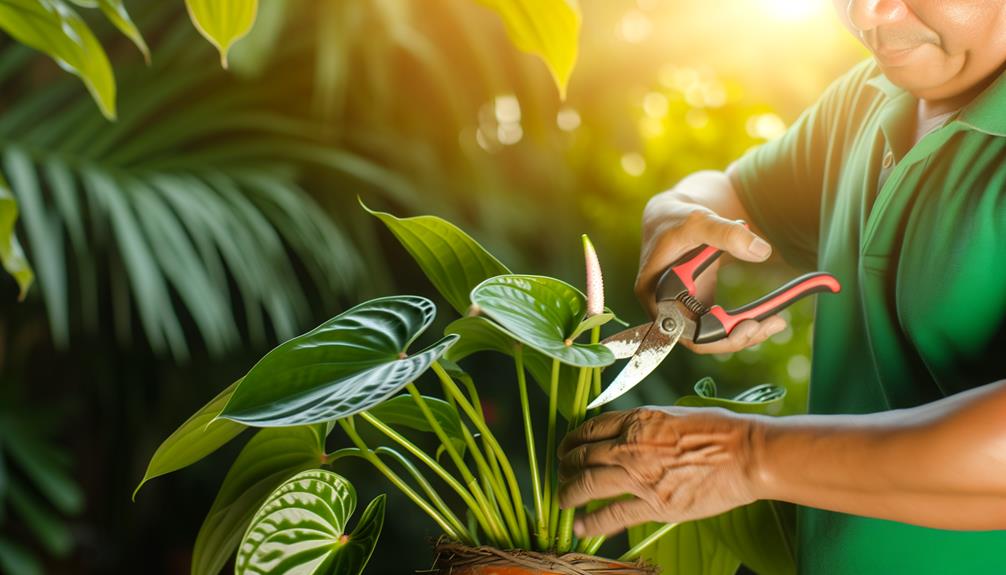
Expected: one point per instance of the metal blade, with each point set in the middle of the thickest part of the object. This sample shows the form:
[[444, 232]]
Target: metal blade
[[625, 343], [658, 342]]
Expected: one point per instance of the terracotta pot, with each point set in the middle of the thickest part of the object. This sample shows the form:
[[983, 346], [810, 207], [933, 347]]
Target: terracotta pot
[[456, 559]]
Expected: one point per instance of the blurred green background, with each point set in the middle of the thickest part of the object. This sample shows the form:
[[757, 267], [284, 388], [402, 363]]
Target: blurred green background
[[218, 216]]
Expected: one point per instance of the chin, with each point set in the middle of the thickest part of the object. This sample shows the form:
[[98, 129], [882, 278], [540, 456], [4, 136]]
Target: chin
[[926, 81]]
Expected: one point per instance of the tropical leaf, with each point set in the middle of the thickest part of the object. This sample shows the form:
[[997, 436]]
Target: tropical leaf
[[347, 365], [223, 22], [765, 399], [402, 410], [16, 559], [301, 527], [542, 313], [271, 457], [549, 29], [54, 28], [11, 254], [450, 258], [198, 437], [184, 208], [116, 13]]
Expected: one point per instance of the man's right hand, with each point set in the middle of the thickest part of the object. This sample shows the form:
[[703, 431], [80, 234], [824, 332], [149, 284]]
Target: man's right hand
[[689, 215]]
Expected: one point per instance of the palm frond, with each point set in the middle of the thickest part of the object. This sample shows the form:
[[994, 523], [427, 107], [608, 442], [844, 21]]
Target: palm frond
[[189, 206]]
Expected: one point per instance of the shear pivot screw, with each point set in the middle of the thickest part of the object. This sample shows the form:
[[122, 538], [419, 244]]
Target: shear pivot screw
[[668, 324]]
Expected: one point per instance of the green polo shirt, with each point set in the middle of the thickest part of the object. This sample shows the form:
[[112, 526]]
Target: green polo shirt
[[917, 237]]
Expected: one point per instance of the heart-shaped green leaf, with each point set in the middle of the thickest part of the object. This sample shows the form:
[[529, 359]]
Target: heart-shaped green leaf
[[402, 410], [223, 22], [450, 258], [198, 437], [347, 365], [271, 457], [55, 28], [765, 399], [479, 334], [543, 313], [301, 529], [549, 29], [591, 322], [11, 255]]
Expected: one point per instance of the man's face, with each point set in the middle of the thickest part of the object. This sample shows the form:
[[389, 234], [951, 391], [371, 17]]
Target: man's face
[[935, 49]]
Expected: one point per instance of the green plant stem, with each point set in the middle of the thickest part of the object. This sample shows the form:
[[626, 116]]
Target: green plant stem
[[492, 478], [398, 482], [490, 453], [430, 462], [496, 532], [424, 484], [637, 549], [564, 533], [590, 545], [487, 435], [532, 457], [495, 491], [551, 477]]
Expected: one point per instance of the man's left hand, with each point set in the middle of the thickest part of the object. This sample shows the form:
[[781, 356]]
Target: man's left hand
[[680, 463]]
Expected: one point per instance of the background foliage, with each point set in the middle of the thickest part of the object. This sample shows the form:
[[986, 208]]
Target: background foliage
[[217, 215]]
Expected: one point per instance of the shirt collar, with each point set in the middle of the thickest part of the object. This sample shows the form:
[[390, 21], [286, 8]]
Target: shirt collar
[[987, 113]]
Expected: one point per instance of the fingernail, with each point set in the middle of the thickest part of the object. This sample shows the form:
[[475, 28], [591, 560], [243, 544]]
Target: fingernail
[[578, 527], [759, 248]]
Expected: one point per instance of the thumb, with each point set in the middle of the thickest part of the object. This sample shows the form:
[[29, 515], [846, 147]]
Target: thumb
[[733, 237]]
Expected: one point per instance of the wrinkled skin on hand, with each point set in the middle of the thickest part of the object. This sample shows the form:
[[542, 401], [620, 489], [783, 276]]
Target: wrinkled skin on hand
[[679, 463]]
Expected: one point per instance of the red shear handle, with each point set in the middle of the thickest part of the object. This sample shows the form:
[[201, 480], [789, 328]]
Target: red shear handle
[[680, 276], [718, 323]]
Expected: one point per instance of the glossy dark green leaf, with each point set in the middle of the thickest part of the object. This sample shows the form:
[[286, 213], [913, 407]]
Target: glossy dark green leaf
[[55, 28], [347, 365], [301, 528], [11, 255], [198, 437], [543, 313], [480, 334], [450, 258], [271, 457], [402, 410], [765, 399]]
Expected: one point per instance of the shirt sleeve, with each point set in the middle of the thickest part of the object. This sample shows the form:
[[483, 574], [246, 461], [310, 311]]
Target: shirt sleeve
[[781, 182]]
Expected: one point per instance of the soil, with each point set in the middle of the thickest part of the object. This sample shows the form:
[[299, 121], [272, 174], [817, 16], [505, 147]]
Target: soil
[[456, 559]]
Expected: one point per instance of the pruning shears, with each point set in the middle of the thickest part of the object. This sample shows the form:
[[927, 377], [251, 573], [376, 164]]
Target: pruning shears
[[680, 314]]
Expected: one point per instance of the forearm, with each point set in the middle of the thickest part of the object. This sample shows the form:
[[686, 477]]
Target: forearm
[[940, 465]]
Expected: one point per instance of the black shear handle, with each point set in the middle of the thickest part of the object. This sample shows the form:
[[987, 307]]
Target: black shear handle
[[718, 322]]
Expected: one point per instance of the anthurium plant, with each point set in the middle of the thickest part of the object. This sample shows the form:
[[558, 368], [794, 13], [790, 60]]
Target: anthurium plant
[[282, 507]]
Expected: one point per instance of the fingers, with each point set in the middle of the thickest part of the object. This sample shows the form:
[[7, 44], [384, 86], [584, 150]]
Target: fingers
[[604, 426], [590, 455], [595, 483], [613, 518], [748, 333], [731, 236], [669, 242]]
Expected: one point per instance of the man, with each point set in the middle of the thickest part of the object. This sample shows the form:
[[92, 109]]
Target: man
[[895, 182]]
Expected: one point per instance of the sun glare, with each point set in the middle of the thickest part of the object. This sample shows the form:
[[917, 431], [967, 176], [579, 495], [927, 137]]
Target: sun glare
[[793, 10]]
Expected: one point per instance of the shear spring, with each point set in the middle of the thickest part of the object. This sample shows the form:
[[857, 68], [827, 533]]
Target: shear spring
[[693, 304]]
